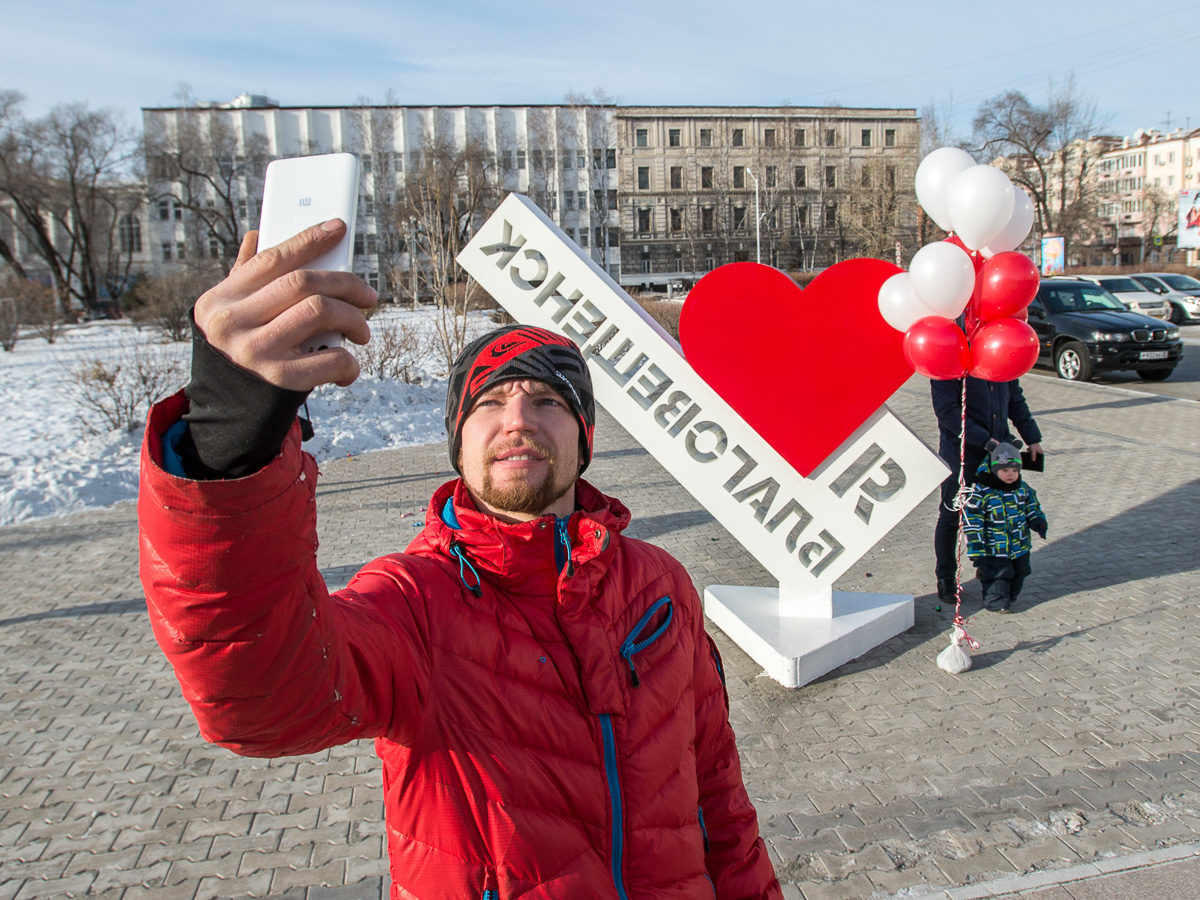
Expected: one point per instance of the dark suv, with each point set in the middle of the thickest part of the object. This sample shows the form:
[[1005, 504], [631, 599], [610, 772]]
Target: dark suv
[[1083, 329]]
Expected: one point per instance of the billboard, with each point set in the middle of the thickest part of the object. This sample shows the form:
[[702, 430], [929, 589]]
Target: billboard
[[1189, 219], [1053, 251]]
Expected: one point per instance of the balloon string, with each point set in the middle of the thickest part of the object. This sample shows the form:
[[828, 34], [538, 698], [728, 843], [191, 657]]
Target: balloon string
[[960, 504]]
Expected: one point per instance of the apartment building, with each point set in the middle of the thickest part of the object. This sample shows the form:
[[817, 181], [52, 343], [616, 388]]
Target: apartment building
[[1140, 179]]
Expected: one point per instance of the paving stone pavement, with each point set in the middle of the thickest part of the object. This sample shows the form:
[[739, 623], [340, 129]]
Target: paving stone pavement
[[1075, 738]]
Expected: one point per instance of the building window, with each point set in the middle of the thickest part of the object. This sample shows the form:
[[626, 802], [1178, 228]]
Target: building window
[[214, 248], [582, 200], [889, 137], [643, 221], [580, 159], [677, 220], [368, 205], [643, 178], [831, 176], [130, 235], [178, 211], [676, 178], [709, 263], [166, 251], [567, 157], [831, 215], [706, 219], [705, 137], [678, 260], [610, 158], [645, 262], [889, 174], [164, 210], [643, 137], [373, 279], [739, 218], [739, 137], [830, 137], [365, 159], [180, 250], [801, 176], [768, 137], [537, 159], [506, 160], [706, 178], [520, 159], [583, 237], [673, 137], [739, 176], [772, 176], [801, 217], [569, 200], [798, 137], [612, 198], [866, 137]]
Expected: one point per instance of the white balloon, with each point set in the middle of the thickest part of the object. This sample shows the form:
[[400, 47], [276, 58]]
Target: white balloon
[[899, 304], [943, 278], [1017, 228], [980, 202], [934, 175]]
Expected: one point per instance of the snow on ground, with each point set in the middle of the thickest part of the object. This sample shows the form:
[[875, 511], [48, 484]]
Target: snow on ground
[[50, 464]]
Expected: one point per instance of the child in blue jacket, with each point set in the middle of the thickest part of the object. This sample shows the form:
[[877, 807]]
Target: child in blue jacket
[[998, 515]]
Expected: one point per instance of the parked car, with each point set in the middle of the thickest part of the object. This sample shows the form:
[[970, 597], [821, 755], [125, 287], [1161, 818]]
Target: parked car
[[1083, 329], [1132, 294], [1182, 293]]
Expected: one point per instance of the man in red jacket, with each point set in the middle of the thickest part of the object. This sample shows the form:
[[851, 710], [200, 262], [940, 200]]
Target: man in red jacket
[[549, 711]]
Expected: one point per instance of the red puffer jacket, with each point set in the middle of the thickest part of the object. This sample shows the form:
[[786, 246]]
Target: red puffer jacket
[[544, 735]]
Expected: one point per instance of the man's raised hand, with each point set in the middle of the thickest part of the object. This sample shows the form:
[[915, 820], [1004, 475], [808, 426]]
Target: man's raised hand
[[268, 306]]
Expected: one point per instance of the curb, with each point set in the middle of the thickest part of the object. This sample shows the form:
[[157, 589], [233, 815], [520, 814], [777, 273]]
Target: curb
[[1017, 883]]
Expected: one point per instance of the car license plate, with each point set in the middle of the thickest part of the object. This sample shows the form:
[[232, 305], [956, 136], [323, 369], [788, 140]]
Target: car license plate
[[1153, 354]]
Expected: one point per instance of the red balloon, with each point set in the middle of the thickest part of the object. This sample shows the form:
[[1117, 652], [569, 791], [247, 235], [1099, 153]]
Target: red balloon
[[1003, 350], [937, 348], [1005, 284], [977, 259]]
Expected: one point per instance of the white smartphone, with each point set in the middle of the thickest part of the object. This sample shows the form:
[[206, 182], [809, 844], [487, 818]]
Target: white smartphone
[[306, 191]]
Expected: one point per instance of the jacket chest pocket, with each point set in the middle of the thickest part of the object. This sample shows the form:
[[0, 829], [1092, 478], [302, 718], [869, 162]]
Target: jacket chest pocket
[[636, 649]]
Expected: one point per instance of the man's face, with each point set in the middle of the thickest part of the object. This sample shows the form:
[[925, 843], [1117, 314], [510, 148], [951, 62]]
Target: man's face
[[520, 451], [1009, 474]]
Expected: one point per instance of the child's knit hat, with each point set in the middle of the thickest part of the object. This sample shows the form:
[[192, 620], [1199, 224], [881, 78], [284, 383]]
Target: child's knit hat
[[1005, 456]]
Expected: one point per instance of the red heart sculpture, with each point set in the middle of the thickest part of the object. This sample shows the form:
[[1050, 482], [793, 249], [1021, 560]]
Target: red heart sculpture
[[803, 368]]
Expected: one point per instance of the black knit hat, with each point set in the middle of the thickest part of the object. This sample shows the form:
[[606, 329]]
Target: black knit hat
[[512, 353]]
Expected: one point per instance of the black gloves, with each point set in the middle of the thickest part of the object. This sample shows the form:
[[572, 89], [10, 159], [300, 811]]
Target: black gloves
[[1038, 526]]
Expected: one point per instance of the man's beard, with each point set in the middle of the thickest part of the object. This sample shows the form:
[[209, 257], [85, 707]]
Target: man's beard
[[519, 495]]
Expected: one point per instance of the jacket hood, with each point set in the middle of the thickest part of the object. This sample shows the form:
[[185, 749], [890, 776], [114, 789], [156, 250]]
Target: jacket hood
[[520, 556], [985, 477]]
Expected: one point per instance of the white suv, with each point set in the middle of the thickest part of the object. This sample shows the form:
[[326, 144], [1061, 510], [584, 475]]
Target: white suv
[[1133, 295]]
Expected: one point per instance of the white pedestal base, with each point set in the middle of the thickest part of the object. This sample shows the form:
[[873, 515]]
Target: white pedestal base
[[797, 649]]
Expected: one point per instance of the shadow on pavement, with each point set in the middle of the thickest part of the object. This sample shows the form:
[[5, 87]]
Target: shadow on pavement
[[107, 608]]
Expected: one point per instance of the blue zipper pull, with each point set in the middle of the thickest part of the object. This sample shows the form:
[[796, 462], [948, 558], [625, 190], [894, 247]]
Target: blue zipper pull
[[564, 538], [703, 829]]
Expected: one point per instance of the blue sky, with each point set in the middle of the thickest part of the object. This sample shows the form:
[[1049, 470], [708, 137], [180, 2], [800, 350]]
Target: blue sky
[[1139, 67]]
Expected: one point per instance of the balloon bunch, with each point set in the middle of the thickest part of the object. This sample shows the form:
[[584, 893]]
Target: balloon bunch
[[972, 274]]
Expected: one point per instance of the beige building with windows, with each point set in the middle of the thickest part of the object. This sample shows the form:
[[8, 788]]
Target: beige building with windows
[[797, 188]]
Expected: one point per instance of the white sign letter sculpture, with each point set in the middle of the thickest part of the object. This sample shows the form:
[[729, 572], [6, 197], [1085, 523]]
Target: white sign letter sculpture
[[805, 531]]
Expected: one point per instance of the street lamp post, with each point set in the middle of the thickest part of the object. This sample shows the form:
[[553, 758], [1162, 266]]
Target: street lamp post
[[757, 219]]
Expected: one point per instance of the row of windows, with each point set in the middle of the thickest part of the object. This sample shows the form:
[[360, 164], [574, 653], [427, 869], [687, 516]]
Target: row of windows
[[770, 137], [1128, 161], [770, 177], [738, 218]]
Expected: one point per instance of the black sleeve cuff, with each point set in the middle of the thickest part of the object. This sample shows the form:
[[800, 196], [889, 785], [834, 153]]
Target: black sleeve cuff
[[237, 422]]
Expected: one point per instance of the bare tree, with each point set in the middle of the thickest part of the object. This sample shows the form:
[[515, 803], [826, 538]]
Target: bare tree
[[449, 189], [1157, 210], [1051, 151], [595, 111], [70, 180], [197, 165]]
